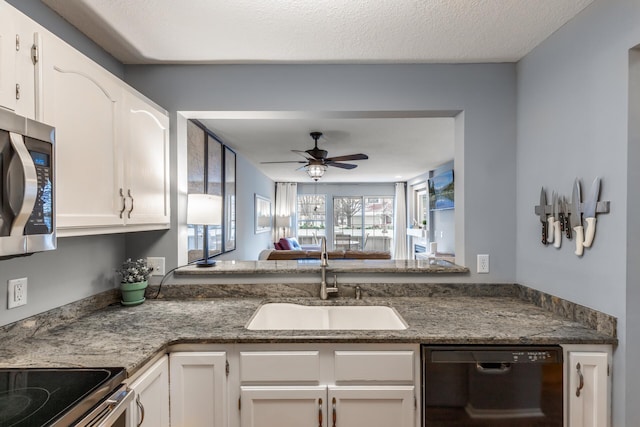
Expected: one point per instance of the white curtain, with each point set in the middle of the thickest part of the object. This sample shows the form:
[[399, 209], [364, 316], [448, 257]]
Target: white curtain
[[286, 199], [400, 222]]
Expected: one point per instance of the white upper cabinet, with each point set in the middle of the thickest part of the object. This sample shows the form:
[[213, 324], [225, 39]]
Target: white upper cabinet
[[146, 161], [19, 65], [112, 147], [83, 102], [7, 57]]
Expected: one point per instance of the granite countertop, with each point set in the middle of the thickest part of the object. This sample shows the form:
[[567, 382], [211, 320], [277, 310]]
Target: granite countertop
[[312, 266], [132, 336]]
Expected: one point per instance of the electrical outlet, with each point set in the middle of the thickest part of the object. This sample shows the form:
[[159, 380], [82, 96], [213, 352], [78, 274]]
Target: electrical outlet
[[158, 265], [17, 292], [483, 263]]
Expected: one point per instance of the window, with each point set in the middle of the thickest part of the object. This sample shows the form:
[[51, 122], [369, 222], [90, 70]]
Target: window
[[363, 223], [312, 212], [210, 170]]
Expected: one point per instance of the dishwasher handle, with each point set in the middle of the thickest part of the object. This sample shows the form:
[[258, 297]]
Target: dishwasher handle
[[493, 368]]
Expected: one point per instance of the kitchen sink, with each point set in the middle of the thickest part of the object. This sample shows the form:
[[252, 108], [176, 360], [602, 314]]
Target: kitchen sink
[[287, 316]]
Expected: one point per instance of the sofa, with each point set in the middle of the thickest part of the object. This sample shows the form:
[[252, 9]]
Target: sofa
[[298, 254]]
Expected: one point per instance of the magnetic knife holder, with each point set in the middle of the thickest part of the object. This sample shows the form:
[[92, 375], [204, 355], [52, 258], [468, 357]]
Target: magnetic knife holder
[[601, 207]]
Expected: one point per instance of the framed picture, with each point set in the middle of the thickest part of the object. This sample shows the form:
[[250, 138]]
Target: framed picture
[[441, 191], [263, 217]]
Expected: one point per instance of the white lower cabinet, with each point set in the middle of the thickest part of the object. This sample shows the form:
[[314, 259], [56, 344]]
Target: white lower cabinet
[[151, 405], [328, 386], [588, 389], [198, 386], [297, 406]]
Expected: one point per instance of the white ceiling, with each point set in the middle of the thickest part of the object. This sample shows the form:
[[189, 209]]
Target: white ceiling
[[250, 31], [324, 31]]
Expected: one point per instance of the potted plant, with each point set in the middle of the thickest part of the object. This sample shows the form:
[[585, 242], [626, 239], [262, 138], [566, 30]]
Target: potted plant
[[134, 277]]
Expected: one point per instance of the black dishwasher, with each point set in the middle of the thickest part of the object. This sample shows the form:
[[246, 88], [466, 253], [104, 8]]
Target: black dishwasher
[[519, 386]]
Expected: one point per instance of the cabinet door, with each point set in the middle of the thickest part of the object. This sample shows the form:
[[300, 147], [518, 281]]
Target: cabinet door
[[372, 406], [28, 67], [146, 162], [82, 100], [198, 386], [151, 405], [7, 57], [294, 406], [588, 389]]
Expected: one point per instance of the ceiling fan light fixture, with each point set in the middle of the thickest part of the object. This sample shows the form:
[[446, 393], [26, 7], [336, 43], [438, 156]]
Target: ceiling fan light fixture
[[316, 171]]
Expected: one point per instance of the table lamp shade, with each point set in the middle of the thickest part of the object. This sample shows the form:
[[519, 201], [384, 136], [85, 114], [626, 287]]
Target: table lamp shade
[[204, 209], [283, 221]]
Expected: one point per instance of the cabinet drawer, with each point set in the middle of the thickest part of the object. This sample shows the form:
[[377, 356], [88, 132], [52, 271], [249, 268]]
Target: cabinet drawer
[[374, 366], [285, 366]]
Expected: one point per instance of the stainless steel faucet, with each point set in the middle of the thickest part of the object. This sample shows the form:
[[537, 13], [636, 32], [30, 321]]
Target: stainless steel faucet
[[324, 290]]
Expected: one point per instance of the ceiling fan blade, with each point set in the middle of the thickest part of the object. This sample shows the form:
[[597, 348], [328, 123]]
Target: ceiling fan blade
[[341, 165], [348, 157], [286, 161]]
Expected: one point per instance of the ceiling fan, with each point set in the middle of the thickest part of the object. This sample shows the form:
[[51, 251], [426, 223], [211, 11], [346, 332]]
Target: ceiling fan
[[317, 160]]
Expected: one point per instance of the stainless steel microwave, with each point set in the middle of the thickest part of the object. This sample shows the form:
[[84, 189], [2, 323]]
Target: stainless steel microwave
[[27, 186]]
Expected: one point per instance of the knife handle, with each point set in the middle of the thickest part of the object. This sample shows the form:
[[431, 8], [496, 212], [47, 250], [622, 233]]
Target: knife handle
[[579, 240], [557, 231], [551, 221], [567, 226], [590, 232], [561, 221], [544, 233]]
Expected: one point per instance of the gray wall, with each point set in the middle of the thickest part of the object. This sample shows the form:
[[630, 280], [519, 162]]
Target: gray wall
[[573, 121], [81, 266], [485, 92]]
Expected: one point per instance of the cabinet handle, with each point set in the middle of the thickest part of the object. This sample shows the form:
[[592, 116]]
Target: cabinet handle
[[17, 90], [335, 415], [319, 412], [131, 197], [581, 385], [124, 203], [141, 412]]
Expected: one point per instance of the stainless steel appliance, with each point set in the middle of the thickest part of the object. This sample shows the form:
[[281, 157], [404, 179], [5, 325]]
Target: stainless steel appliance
[[63, 397], [492, 386], [27, 186]]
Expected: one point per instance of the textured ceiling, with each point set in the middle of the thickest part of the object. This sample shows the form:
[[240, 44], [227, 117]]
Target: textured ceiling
[[329, 31], [324, 31]]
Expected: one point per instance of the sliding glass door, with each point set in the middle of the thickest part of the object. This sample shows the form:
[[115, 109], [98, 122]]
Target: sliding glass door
[[362, 223]]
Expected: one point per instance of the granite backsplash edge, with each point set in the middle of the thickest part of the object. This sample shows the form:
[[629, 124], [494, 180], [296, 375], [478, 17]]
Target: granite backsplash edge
[[69, 313]]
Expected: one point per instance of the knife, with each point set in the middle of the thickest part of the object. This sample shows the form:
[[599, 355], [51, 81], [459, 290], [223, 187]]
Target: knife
[[557, 224], [567, 225], [551, 220], [543, 215], [589, 209], [576, 218]]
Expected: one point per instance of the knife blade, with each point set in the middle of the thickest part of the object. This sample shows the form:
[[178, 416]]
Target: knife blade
[[543, 215], [576, 218], [557, 224], [551, 220], [589, 209], [567, 225]]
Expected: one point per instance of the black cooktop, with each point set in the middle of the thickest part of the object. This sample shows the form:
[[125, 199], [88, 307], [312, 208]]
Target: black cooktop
[[37, 397]]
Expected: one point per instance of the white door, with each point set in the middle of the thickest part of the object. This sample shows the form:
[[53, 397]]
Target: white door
[[146, 162], [283, 406], [372, 406], [151, 405], [588, 389], [81, 100], [198, 388]]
